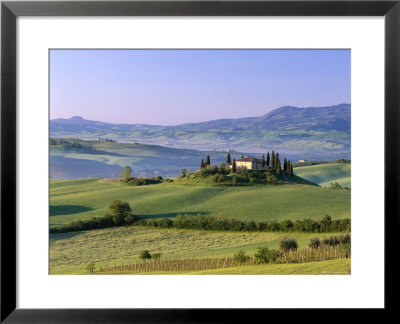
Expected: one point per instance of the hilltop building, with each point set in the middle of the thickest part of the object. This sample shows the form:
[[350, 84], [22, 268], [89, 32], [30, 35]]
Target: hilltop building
[[248, 163]]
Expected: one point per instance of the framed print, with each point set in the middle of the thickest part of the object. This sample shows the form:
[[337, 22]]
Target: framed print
[[186, 157]]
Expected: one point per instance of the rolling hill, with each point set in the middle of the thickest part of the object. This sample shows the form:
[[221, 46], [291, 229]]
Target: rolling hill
[[72, 199], [325, 174], [311, 133], [100, 159]]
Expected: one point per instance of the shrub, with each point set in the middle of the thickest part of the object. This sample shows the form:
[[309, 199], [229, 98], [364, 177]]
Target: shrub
[[156, 256], [325, 223], [287, 244], [345, 238], [286, 226], [90, 267], [335, 185], [314, 243], [165, 223], [240, 257], [219, 178], [266, 255], [330, 241], [145, 254]]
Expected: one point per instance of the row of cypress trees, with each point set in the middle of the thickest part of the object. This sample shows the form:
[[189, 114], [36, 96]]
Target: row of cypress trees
[[273, 161]]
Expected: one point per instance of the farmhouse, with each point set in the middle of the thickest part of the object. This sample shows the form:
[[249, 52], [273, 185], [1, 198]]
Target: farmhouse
[[248, 163]]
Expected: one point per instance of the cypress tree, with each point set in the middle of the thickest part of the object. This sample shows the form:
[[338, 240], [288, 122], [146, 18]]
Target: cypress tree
[[273, 160], [276, 161], [278, 167], [202, 164], [228, 158], [268, 159], [234, 166], [285, 166], [263, 161], [291, 169], [242, 156], [208, 162]]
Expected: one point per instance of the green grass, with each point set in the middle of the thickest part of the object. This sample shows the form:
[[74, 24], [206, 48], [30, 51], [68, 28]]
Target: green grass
[[72, 199], [71, 252], [324, 174]]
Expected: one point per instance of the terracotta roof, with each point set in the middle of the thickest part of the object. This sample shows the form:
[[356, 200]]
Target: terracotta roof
[[248, 159]]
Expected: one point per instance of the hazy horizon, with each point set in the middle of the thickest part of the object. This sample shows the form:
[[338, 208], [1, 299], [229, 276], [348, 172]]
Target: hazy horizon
[[172, 87], [103, 121]]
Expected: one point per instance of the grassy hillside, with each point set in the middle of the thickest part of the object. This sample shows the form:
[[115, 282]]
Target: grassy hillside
[[324, 174], [71, 252], [72, 199]]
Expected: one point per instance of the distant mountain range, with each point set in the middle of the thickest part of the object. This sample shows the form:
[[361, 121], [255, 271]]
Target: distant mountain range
[[310, 133]]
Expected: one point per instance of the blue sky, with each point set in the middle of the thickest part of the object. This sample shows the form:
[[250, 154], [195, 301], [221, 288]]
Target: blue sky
[[169, 87]]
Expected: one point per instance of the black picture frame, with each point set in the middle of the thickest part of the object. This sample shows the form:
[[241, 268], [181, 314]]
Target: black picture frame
[[10, 10]]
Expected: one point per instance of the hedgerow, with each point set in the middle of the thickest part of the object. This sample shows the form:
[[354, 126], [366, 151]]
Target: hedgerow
[[214, 223]]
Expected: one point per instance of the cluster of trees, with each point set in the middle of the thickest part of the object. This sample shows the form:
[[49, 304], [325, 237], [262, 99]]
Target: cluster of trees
[[206, 163], [337, 186], [272, 162], [341, 239], [267, 255], [275, 163], [142, 181], [215, 223], [146, 255], [73, 146], [119, 213], [102, 139]]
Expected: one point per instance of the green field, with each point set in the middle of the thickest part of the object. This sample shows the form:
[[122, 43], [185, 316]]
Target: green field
[[72, 199], [71, 252], [324, 174]]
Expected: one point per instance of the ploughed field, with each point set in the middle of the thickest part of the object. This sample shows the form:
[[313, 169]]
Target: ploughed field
[[82, 199]]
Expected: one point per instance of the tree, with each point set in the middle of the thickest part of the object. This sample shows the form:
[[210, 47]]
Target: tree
[[291, 169], [242, 156], [145, 255], [120, 211], [287, 244], [208, 161], [127, 173], [314, 243], [228, 158], [183, 173], [240, 257], [266, 255], [234, 166], [276, 161], [273, 160], [268, 159], [263, 161], [90, 267], [285, 165], [278, 167], [202, 164]]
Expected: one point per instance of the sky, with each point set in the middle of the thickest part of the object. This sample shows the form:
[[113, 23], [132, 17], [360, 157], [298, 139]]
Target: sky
[[171, 87]]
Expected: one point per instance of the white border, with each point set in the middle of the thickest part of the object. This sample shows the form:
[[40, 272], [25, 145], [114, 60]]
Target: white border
[[364, 288]]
